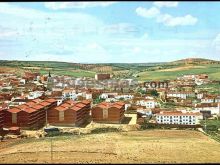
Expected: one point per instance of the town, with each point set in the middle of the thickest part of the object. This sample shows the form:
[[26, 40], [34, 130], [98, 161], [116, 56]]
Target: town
[[35, 101]]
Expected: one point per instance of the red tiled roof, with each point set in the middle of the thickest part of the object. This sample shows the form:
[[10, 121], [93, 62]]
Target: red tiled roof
[[86, 102], [60, 108], [44, 103], [22, 106], [37, 106], [178, 113], [76, 108], [70, 102], [117, 106], [65, 105], [14, 110], [51, 100], [37, 100], [80, 105], [29, 110], [102, 106], [120, 103], [30, 103]]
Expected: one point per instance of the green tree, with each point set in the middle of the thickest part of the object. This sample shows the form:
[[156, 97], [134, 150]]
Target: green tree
[[154, 93]]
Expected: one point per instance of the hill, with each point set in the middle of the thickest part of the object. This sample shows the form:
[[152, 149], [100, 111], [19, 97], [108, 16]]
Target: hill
[[195, 61], [141, 71]]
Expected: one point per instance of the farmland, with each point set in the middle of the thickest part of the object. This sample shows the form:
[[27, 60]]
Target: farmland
[[149, 146], [140, 71]]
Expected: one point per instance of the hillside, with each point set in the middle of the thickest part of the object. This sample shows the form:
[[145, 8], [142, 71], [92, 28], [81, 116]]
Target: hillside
[[141, 71], [195, 61]]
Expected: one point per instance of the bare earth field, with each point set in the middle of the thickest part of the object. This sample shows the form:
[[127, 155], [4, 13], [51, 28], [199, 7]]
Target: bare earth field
[[151, 146]]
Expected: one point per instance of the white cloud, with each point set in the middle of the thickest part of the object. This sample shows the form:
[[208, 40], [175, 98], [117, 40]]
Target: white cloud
[[166, 19], [148, 13], [8, 34], [169, 20], [166, 4], [65, 5]]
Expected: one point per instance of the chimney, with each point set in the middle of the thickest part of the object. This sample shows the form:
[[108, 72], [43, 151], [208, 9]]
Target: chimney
[[59, 102]]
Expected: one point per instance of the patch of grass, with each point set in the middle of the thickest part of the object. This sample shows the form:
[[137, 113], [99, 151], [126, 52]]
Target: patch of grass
[[212, 70]]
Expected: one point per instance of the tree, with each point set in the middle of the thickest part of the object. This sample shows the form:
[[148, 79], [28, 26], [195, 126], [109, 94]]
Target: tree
[[98, 100], [154, 93]]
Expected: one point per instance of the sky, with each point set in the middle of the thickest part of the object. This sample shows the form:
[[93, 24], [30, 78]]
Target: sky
[[109, 32]]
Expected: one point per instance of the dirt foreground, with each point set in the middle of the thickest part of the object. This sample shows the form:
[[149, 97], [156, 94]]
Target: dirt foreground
[[151, 146]]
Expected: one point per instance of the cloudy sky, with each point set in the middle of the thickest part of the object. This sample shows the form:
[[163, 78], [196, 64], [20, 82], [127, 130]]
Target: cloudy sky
[[91, 32]]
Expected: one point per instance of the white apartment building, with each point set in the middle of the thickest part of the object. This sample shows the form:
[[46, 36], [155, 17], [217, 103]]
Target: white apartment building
[[207, 100], [69, 94], [182, 95], [178, 117], [213, 108], [125, 97], [148, 103]]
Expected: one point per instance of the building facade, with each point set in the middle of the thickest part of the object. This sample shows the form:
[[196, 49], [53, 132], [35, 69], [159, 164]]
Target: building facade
[[178, 117]]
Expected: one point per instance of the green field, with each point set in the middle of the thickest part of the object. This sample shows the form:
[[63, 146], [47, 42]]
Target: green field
[[141, 71], [212, 70]]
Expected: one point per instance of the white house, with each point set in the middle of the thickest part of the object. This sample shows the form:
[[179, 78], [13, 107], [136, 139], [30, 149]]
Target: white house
[[35, 94], [214, 108], [199, 95], [69, 94], [178, 117], [107, 95], [22, 81], [125, 97], [207, 99], [146, 112], [148, 103], [217, 99]]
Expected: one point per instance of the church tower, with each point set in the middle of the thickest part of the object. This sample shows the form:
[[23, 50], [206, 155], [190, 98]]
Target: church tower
[[49, 82]]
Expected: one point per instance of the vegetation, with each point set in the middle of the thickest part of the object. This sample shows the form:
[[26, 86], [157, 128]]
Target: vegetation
[[141, 71], [212, 127], [98, 100]]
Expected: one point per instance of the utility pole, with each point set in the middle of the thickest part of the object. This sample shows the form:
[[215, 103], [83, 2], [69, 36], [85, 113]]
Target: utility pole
[[51, 150], [205, 125]]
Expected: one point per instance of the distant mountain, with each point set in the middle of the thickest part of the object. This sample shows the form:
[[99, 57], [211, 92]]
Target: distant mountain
[[196, 61]]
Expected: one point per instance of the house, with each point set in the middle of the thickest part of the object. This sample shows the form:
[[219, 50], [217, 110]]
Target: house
[[102, 76], [108, 112], [69, 94], [69, 113], [217, 99], [124, 97], [144, 112], [182, 95], [208, 99], [108, 95], [35, 94], [199, 95], [178, 117], [214, 108], [147, 102]]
